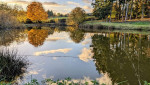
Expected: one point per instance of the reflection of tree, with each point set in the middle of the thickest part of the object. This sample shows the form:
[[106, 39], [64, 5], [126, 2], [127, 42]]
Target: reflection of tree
[[77, 35], [36, 37], [123, 60], [9, 36]]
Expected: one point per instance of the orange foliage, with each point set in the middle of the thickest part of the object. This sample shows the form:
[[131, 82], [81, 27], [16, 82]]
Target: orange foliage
[[36, 12], [37, 37]]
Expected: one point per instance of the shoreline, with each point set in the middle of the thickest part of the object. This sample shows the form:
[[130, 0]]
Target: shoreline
[[142, 25]]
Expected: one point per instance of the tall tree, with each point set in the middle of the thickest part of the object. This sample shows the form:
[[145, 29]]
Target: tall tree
[[50, 13], [36, 12], [102, 8]]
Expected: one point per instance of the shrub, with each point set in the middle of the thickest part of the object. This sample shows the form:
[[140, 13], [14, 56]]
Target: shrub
[[28, 21], [11, 65], [7, 20]]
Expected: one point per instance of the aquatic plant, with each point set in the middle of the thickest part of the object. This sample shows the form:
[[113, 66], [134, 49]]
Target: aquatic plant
[[11, 65]]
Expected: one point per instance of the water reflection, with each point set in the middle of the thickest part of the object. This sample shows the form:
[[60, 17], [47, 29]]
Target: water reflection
[[123, 56], [117, 56], [9, 36], [36, 37], [76, 34]]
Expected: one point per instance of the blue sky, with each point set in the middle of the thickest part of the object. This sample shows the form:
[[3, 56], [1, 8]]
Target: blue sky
[[58, 6]]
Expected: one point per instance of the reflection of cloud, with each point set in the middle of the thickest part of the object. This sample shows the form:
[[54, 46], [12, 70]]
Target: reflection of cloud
[[54, 58], [33, 72], [105, 79], [55, 38], [44, 76], [53, 51], [85, 42], [86, 55], [70, 41]]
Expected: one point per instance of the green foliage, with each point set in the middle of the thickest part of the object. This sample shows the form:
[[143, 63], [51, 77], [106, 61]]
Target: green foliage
[[76, 17], [146, 83], [66, 81], [50, 13], [33, 82], [102, 8]]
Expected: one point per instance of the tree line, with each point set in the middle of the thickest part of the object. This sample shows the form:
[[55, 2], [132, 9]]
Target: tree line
[[121, 9]]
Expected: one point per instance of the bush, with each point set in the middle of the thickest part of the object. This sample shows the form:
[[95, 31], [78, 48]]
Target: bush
[[28, 21], [11, 16], [52, 21], [11, 65], [8, 21]]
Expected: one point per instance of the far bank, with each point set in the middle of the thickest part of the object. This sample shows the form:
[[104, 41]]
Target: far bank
[[134, 25]]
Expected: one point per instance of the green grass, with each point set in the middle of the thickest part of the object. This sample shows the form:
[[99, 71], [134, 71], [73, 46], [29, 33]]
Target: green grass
[[145, 25], [53, 18]]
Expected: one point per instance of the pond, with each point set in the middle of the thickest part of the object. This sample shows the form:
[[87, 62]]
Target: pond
[[109, 57]]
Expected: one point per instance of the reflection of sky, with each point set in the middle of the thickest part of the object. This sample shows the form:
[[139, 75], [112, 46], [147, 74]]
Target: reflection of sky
[[59, 57]]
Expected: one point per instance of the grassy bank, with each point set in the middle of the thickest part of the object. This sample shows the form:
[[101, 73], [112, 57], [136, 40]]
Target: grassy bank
[[139, 25]]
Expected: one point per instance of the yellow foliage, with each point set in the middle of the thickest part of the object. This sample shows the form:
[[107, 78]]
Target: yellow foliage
[[22, 16], [37, 37], [36, 12]]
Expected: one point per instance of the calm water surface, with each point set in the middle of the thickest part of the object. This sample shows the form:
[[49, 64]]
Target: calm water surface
[[108, 57]]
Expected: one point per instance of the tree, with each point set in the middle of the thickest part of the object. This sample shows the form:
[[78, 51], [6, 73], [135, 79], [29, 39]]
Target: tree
[[102, 8], [36, 12], [50, 13], [76, 16]]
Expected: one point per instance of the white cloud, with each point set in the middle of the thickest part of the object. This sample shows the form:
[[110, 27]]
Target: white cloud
[[86, 55], [74, 3], [53, 51], [87, 1]]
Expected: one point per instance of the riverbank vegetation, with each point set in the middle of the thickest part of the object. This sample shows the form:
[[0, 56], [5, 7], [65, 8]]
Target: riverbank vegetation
[[11, 66], [11, 17], [144, 25]]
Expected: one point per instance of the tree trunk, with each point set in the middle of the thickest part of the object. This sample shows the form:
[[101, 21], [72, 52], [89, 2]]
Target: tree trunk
[[111, 11], [122, 12], [131, 10], [126, 17], [142, 16]]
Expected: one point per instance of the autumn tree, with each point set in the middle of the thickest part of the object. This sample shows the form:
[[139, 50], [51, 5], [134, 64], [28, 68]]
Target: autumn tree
[[36, 12], [76, 16]]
